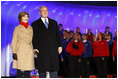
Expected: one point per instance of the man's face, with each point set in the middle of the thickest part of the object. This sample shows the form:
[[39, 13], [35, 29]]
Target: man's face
[[107, 29], [65, 33], [44, 12], [77, 30], [89, 31], [71, 34], [68, 35], [105, 35], [108, 37], [60, 27], [84, 37]]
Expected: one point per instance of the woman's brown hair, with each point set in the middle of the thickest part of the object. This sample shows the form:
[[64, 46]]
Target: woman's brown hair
[[79, 40], [101, 35], [21, 14]]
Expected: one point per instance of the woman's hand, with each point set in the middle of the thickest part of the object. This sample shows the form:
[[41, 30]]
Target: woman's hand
[[75, 46], [14, 56]]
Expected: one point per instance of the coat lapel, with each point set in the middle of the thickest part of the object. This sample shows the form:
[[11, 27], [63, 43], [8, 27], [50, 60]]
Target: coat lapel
[[28, 30], [43, 25], [26, 34], [50, 22]]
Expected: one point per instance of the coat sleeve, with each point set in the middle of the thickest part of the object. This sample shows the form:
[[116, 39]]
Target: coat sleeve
[[106, 48], [34, 39], [114, 48], [69, 47], [14, 41], [61, 56], [59, 42], [111, 35], [90, 48], [93, 47], [82, 47]]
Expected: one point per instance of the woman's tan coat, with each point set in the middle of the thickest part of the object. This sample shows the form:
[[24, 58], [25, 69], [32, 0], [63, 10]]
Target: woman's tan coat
[[22, 46]]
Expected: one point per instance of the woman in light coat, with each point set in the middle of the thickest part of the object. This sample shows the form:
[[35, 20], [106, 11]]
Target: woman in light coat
[[21, 46]]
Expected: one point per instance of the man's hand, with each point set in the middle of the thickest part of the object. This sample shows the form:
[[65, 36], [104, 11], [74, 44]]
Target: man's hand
[[59, 50], [113, 58], [103, 58], [62, 59], [79, 60], [35, 51]]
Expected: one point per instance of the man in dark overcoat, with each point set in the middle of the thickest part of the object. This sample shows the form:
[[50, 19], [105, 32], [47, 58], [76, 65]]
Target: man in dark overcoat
[[46, 41]]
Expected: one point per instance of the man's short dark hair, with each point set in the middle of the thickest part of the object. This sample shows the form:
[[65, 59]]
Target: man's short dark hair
[[84, 34], [65, 31], [71, 31], [107, 27], [77, 27], [60, 25]]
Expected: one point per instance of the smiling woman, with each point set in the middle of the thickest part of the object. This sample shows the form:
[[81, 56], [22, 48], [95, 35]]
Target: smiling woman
[[21, 46]]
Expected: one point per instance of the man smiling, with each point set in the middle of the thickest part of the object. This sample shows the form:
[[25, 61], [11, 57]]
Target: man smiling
[[46, 41]]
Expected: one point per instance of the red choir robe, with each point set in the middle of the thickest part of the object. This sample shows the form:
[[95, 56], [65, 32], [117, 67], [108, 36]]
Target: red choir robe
[[100, 48], [73, 51], [114, 48]]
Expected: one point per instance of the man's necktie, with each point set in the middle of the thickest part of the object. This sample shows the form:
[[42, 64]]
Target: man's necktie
[[46, 24]]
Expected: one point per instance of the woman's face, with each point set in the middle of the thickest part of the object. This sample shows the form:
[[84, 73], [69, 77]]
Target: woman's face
[[25, 19], [116, 33], [76, 36], [89, 31], [95, 38], [99, 36]]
